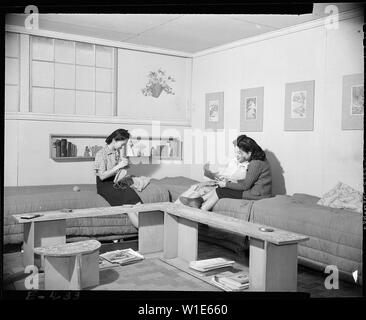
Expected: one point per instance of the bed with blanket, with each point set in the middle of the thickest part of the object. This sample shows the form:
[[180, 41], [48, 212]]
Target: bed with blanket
[[335, 234], [19, 200]]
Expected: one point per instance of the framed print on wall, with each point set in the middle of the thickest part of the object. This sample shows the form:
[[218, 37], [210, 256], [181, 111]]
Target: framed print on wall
[[251, 109], [214, 110], [299, 106], [353, 102]]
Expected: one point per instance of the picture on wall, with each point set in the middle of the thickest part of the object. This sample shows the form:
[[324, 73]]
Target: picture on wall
[[353, 102], [158, 81], [251, 109], [357, 94], [152, 87], [299, 106], [214, 110]]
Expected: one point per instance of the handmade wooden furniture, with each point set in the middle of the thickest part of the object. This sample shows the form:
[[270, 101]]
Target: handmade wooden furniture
[[50, 228], [173, 230], [272, 255], [71, 266]]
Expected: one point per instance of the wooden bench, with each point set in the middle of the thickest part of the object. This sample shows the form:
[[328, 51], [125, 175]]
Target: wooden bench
[[272, 255], [50, 228], [173, 230], [71, 266]]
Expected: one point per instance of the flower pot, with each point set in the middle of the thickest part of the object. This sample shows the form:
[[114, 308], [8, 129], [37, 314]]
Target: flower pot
[[156, 90]]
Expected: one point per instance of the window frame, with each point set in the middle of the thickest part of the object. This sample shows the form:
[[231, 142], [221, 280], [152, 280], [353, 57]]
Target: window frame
[[113, 69], [17, 109]]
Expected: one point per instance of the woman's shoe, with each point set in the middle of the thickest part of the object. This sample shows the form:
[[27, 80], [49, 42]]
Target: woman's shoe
[[192, 202]]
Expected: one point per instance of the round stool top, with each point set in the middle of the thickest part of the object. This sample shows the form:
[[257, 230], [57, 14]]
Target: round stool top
[[69, 249]]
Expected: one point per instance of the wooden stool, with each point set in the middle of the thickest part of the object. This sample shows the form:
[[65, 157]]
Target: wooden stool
[[71, 266]]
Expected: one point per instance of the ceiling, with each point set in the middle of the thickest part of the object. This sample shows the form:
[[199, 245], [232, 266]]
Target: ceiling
[[188, 33]]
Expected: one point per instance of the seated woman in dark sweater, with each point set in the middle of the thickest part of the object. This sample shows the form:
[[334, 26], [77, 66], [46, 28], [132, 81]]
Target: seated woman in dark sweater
[[256, 185]]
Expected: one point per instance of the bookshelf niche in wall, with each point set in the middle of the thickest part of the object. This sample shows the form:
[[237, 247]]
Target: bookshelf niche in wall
[[70, 148]]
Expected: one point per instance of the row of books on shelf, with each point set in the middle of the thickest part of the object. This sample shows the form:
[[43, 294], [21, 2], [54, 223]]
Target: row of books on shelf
[[62, 148], [119, 257], [223, 274]]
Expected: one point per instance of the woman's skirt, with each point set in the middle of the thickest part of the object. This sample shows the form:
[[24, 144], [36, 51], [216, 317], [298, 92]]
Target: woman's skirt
[[229, 193], [116, 196]]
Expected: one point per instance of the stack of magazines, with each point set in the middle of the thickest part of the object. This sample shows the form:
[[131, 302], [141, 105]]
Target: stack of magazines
[[210, 264], [121, 257], [230, 281]]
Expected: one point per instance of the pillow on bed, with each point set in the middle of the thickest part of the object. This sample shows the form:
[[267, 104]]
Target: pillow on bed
[[342, 196]]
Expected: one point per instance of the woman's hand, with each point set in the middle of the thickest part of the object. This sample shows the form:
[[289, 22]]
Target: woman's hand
[[123, 163], [207, 173], [222, 182]]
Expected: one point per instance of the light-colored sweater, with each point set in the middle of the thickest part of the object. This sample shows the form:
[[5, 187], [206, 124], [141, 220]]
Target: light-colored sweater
[[257, 183]]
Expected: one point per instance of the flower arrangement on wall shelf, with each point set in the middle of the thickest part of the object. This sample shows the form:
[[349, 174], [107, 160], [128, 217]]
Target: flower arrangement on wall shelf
[[158, 81]]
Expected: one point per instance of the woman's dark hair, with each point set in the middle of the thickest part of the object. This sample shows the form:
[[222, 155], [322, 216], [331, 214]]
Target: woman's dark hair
[[247, 144], [118, 135]]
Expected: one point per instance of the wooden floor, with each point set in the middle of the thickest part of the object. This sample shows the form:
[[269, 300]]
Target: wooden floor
[[309, 281]]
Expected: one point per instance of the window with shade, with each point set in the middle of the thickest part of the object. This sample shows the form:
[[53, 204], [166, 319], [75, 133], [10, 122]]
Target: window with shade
[[69, 77], [12, 71]]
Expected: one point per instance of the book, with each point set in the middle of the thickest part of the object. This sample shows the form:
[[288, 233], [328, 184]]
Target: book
[[233, 280], [211, 272], [227, 288], [69, 149], [122, 257], [53, 150], [236, 279], [73, 150], [58, 147], [103, 263], [63, 148], [30, 215], [210, 264]]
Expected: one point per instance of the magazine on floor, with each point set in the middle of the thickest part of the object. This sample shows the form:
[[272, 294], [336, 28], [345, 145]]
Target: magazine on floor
[[122, 257], [104, 264], [210, 264], [232, 281]]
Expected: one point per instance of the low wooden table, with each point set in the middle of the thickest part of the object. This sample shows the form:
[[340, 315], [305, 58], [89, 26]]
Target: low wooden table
[[71, 266]]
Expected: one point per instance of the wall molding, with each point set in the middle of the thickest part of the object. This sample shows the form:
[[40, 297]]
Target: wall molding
[[98, 41], [94, 119], [278, 33]]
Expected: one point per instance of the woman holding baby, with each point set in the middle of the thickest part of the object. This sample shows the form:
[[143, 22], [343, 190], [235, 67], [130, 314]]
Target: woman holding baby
[[249, 177]]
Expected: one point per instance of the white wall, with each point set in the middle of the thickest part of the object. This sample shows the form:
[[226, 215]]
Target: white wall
[[27, 160], [133, 70], [312, 161], [27, 154]]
